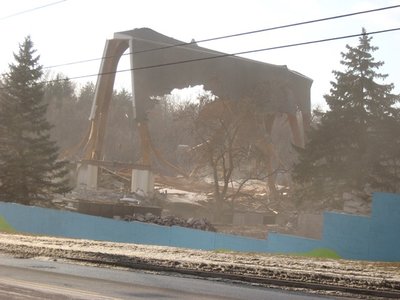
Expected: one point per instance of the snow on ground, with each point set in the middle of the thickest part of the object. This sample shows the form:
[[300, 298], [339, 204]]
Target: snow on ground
[[360, 274], [175, 195]]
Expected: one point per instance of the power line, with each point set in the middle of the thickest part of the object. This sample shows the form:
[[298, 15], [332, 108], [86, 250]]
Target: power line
[[273, 28], [223, 55], [233, 35], [230, 54], [30, 10]]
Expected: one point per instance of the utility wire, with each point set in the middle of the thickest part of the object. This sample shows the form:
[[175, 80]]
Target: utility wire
[[233, 35], [226, 55], [30, 10], [221, 56]]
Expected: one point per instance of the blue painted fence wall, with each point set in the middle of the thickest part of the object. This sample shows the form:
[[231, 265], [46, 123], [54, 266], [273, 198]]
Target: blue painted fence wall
[[69, 224], [375, 237], [385, 228]]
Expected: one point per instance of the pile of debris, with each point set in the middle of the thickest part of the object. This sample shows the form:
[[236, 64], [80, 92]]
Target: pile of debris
[[195, 223]]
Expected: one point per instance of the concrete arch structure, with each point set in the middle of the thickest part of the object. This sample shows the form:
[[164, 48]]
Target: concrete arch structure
[[113, 51], [158, 66]]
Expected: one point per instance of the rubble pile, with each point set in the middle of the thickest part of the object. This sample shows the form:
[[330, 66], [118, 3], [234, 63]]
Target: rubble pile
[[195, 223], [357, 203]]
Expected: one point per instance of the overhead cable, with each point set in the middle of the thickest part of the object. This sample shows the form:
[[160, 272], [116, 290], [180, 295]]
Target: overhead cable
[[232, 35], [30, 10], [222, 55], [236, 53]]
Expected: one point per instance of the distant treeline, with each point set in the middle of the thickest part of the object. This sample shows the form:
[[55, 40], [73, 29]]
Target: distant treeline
[[69, 109]]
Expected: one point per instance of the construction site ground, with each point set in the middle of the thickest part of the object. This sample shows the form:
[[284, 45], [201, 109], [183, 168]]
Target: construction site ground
[[192, 198], [335, 277]]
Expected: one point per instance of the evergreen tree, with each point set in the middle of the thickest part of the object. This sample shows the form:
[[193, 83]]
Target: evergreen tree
[[28, 158], [356, 144]]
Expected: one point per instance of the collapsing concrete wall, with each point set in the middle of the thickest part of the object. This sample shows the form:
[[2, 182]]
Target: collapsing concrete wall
[[160, 63], [159, 66]]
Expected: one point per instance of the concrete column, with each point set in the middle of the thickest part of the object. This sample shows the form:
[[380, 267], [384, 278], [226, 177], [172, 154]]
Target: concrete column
[[142, 182], [87, 176]]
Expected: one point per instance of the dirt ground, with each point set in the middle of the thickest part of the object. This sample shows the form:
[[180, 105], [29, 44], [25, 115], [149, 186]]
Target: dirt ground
[[373, 276]]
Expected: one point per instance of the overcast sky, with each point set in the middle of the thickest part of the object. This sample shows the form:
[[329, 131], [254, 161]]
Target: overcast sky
[[74, 30]]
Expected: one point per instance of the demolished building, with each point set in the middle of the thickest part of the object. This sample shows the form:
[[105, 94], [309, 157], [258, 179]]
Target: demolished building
[[160, 64]]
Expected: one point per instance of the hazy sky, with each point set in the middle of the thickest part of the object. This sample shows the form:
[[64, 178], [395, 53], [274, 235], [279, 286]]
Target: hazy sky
[[76, 30]]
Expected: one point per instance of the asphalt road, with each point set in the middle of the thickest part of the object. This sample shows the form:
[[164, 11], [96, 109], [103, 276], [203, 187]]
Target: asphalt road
[[44, 279]]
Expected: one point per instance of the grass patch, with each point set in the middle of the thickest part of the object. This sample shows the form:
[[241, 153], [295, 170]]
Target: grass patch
[[5, 227], [321, 253]]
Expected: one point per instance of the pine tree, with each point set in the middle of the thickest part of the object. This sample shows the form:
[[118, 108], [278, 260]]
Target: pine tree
[[356, 144], [29, 168]]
